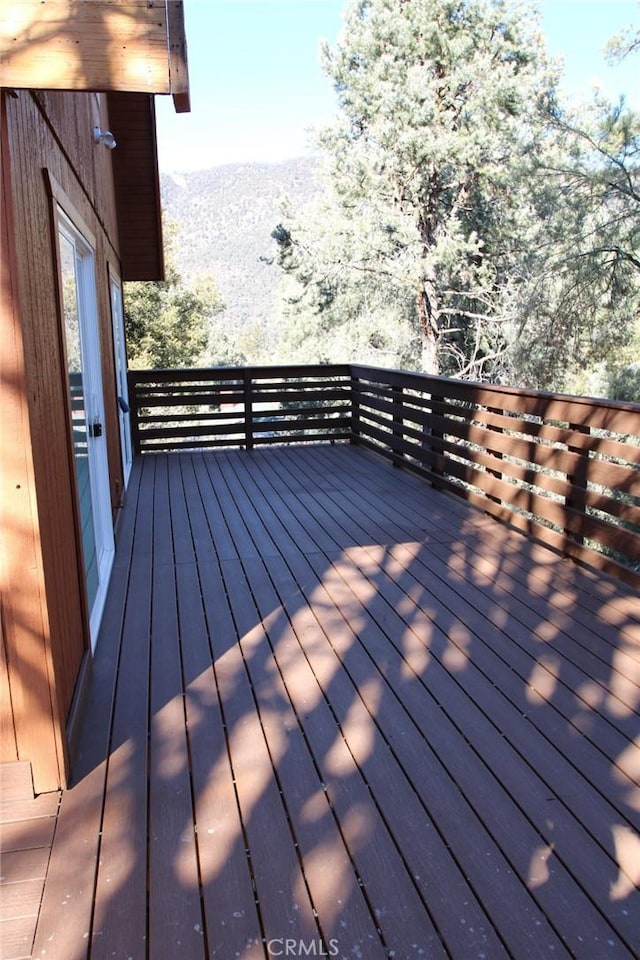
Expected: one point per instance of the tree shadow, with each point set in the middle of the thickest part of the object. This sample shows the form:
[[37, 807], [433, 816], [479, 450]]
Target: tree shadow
[[372, 735]]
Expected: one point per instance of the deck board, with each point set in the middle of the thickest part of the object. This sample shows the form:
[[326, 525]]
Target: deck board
[[336, 707], [27, 827], [340, 893], [231, 918]]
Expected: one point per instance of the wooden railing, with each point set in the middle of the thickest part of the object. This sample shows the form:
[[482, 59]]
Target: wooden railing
[[566, 470], [238, 406]]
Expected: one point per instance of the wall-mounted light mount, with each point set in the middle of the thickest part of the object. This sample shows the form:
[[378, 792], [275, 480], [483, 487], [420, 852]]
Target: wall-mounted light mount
[[105, 137]]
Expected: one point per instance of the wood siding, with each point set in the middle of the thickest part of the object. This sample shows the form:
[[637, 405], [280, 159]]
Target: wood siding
[[8, 742], [24, 615], [45, 624]]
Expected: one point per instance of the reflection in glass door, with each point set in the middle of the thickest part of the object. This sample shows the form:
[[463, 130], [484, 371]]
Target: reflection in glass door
[[120, 350], [85, 391]]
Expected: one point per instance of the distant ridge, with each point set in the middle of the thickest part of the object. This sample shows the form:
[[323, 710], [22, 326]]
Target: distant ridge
[[225, 216]]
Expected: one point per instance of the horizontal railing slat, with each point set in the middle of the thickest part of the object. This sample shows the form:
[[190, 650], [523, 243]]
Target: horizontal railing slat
[[615, 416], [563, 469]]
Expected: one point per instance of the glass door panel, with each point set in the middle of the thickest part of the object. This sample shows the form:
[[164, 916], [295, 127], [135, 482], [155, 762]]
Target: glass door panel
[[79, 412], [117, 314], [84, 373]]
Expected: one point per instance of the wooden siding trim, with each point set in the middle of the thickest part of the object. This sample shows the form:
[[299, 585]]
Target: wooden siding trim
[[8, 742], [59, 199], [46, 131], [110, 390], [58, 196]]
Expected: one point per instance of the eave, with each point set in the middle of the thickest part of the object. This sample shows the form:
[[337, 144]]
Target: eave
[[135, 46], [137, 185]]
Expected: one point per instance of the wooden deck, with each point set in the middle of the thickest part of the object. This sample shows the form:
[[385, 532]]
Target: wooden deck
[[27, 825], [337, 713]]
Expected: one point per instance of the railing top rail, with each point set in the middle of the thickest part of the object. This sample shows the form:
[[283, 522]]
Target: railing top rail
[[564, 469], [410, 377], [258, 372]]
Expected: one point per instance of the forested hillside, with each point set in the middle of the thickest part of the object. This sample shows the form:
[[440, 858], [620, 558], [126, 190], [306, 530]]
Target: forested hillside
[[224, 219]]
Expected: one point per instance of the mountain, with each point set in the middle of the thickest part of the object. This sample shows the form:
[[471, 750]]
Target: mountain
[[225, 216]]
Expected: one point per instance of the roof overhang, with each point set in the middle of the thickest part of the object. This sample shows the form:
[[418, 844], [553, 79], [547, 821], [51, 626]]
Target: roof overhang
[[137, 185], [135, 46]]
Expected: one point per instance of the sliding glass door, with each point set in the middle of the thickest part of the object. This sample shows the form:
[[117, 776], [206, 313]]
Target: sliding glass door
[[87, 414]]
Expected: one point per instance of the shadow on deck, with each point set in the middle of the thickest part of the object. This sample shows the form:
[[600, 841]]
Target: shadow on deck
[[337, 713]]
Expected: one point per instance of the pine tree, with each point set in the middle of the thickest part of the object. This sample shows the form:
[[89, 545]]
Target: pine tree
[[428, 209], [579, 306], [169, 325]]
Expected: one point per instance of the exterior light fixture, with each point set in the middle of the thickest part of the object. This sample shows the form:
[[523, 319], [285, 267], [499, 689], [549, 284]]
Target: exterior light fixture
[[104, 136]]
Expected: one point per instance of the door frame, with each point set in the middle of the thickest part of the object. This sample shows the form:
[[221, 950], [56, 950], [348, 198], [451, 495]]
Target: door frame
[[88, 319], [120, 359]]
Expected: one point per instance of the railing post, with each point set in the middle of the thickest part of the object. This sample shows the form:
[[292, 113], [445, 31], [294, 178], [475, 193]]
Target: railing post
[[355, 408], [397, 393], [133, 412], [498, 474], [577, 487], [436, 451], [248, 409]]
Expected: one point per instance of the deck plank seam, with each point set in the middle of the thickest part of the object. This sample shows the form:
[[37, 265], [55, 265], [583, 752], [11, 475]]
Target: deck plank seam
[[282, 794], [576, 577], [142, 479], [585, 675], [568, 643], [318, 770], [188, 738], [226, 730], [410, 874]]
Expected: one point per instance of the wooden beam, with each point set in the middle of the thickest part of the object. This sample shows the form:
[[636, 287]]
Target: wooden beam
[[127, 45], [178, 62]]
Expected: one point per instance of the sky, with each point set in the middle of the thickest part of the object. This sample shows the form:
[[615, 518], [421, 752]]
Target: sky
[[257, 85]]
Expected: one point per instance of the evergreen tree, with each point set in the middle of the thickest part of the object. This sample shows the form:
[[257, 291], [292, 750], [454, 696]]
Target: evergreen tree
[[170, 325], [427, 210], [579, 306]]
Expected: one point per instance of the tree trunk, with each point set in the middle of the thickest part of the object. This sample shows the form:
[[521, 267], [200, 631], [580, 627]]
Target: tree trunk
[[427, 299], [429, 357], [429, 329]]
